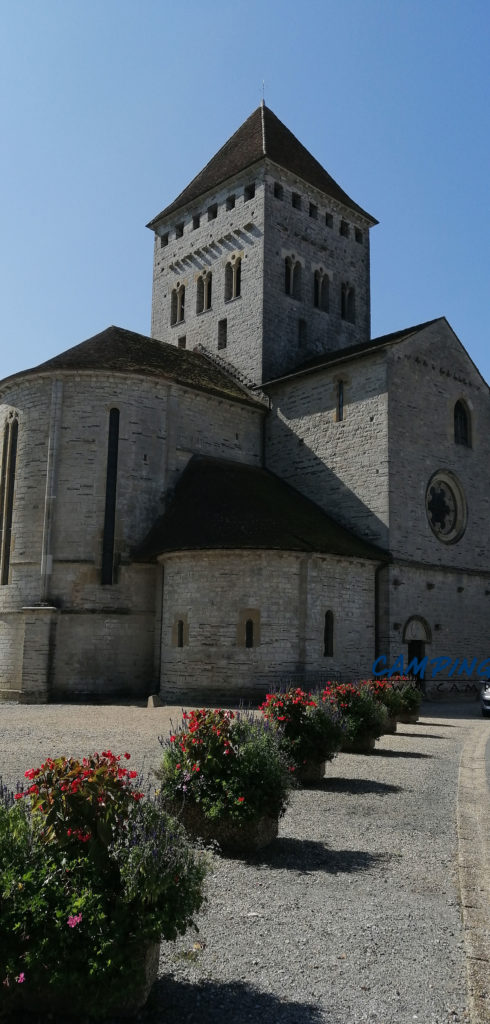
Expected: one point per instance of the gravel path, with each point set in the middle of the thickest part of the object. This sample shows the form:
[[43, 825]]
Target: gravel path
[[351, 916]]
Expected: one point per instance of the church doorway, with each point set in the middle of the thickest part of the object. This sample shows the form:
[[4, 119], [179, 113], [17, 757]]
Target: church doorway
[[416, 634]]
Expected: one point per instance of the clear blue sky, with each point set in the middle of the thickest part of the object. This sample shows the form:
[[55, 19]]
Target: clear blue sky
[[109, 107]]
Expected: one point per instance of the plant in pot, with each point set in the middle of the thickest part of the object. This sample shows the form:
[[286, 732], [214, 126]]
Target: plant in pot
[[389, 695], [225, 776], [92, 876], [411, 699], [311, 730], [365, 717]]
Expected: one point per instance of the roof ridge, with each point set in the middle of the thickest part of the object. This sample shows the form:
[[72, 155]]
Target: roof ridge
[[262, 118]]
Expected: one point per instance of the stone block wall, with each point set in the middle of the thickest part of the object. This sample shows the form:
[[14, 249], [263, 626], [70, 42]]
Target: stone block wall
[[311, 235], [287, 595], [342, 466], [233, 233], [427, 375]]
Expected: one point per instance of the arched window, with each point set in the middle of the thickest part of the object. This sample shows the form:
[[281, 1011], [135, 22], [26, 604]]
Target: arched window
[[348, 303], [328, 635], [462, 425], [203, 299], [249, 633], [292, 277], [233, 279], [177, 305], [107, 573], [321, 291], [7, 484], [296, 292], [200, 295]]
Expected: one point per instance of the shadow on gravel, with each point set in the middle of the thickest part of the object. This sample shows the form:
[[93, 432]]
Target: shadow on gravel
[[398, 753], [420, 735], [307, 855], [180, 1002], [354, 786]]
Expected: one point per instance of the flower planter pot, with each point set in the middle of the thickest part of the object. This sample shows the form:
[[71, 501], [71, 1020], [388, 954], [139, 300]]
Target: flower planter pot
[[360, 745], [311, 771], [390, 726], [408, 719], [234, 838], [65, 1003]]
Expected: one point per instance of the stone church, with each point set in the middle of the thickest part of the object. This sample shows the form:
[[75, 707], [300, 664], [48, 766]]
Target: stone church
[[258, 492]]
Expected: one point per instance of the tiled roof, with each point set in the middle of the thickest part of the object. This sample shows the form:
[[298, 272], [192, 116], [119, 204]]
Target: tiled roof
[[220, 504], [364, 348], [121, 351], [261, 135]]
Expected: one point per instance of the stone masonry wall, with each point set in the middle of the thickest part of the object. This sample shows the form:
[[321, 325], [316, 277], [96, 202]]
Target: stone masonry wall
[[103, 633], [214, 592], [427, 375], [342, 466], [305, 235], [236, 232]]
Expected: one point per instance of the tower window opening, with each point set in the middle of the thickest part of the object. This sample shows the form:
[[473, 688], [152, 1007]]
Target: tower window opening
[[233, 279], [296, 200], [321, 291], [222, 334], [249, 192], [292, 277], [230, 202], [344, 228], [181, 342], [348, 303], [212, 211], [196, 221], [163, 240], [313, 211], [204, 290], [329, 220], [179, 230], [358, 236], [249, 633], [278, 190], [177, 305]]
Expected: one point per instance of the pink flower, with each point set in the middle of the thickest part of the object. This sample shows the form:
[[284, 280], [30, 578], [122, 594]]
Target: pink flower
[[73, 920], [21, 978]]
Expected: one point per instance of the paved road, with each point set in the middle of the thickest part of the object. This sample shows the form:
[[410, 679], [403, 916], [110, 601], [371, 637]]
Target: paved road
[[354, 914]]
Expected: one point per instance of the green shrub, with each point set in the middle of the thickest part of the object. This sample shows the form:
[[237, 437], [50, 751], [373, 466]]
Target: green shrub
[[228, 763], [311, 730], [90, 873]]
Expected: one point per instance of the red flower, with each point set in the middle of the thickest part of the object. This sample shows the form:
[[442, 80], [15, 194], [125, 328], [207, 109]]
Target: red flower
[[127, 756]]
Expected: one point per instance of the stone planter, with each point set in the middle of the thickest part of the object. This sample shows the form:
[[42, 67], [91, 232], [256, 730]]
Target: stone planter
[[234, 838], [390, 726], [311, 771], [408, 719], [359, 745], [67, 1007]]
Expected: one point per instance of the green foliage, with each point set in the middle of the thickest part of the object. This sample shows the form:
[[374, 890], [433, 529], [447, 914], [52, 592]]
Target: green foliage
[[411, 700], [311, 730], [83, 889], [364, 715], [229, 764]]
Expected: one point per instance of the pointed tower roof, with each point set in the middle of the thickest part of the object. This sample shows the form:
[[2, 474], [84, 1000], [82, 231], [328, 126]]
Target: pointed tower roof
[[261, 135]]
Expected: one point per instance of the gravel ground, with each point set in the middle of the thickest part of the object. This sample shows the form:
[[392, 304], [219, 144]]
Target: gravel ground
[[351, 916]]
